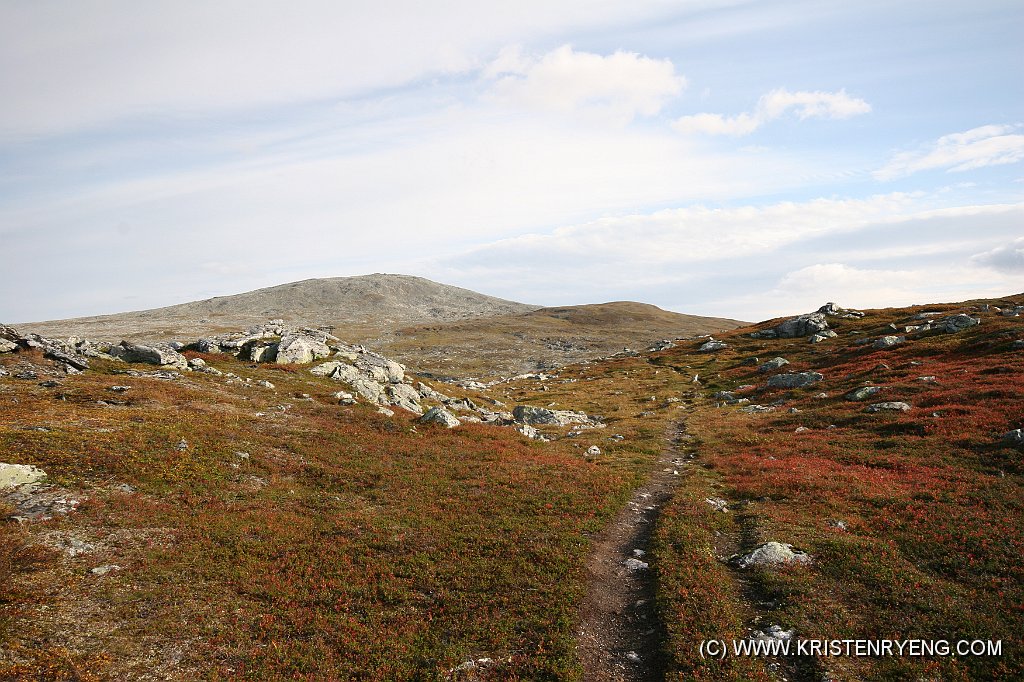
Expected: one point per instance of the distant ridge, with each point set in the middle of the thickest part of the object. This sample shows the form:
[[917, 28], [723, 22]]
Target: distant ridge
[[364, 305]]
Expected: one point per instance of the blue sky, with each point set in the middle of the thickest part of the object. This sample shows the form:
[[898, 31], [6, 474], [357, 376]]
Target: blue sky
[[744, 159]]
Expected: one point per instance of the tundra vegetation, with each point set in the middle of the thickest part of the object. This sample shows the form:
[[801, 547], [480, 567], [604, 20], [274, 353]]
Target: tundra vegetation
[[250, 532]]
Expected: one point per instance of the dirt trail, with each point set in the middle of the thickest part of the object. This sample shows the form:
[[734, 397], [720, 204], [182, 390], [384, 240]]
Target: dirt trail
[[620, 637]]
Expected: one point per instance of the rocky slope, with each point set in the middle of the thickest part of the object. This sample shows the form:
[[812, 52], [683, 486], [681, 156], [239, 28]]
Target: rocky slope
[[365, 305]]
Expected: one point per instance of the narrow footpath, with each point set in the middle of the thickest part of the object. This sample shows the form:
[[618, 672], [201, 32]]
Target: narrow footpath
[[620, 637]]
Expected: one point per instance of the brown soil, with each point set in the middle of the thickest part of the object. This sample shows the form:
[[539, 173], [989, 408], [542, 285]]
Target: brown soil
[[620, 638]]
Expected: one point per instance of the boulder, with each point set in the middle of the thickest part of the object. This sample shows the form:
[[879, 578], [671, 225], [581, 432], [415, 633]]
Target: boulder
[[771, 554], [263, 352], [888, 341], [7, 346], [297, 349], [712, 345], [157, 354], [327, 369], [1014, 438], [664, 344], [957, 323], [12, 475], [803, 325], [772, 365], [404, 396], [208, 346], [794, 380], [822, 336], [370, 390], [529, 431], [439, 415], [862, 393], [894, 406], [527, 414]]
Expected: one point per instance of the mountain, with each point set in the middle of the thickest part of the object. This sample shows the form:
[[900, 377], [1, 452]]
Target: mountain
[[357, 306], [425, 324]]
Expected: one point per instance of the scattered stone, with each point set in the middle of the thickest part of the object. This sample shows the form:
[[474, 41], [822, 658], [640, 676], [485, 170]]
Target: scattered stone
[[838, 524], [634, 564], [12, 475], [801, 429], [772, 365], [26, 374], [157, 354], [928, 379], [593, 451], [527, 414], [49, 383], [265, 384], [344, 398], [822, 336], [712, 345], [105, 569], [197, 363], [862, 393], [771, 554], [718, 504], [439, 415], [119, 389], [888, 342], [957, 323], [802, 325], [182, 445], [7, 346], [1014, 438], [529, 431], [895, 406], [664, 344], [757, 409], [794, 380], [774, 632]]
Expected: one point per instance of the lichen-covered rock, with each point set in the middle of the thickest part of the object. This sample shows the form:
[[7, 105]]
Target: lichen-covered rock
[[298, 349], [802, 325], [1014, 438], [957, 323], [888, 342], [772, 365], [862, 393], [12, 475], [771, 554], [822, 336], [439, 415], [527, 414], [7, 346], [892, 406], [794, 380], [712, 345], [157, 354], [403, 396]]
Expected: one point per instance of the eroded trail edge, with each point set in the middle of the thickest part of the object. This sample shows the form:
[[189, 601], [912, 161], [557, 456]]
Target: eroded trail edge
[[620, 636]]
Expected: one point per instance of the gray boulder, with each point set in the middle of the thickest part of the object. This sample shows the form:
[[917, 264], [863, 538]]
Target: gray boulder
[[439, 415], [803, 325], [298, 349], [957, 323], [1014, 438], [794, 380], [772, 365], [862, 393], [823, 336], [403, 396], [894, 406], [7, 346], [527, 414], [771, 554], [370, 390], [263, 352], [888, 341], [157, 354], [712, 345]]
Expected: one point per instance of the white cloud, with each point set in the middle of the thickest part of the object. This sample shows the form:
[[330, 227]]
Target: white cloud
[[1006, 258], [619, 86], [990, 145], [774, 105]]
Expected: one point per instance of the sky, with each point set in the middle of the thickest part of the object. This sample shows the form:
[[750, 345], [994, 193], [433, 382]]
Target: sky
[[729, 158]]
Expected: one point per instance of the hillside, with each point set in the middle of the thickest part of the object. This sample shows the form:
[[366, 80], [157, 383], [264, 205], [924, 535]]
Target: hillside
[[542, 339], [360, 306], [435, 327], [219, 518]]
